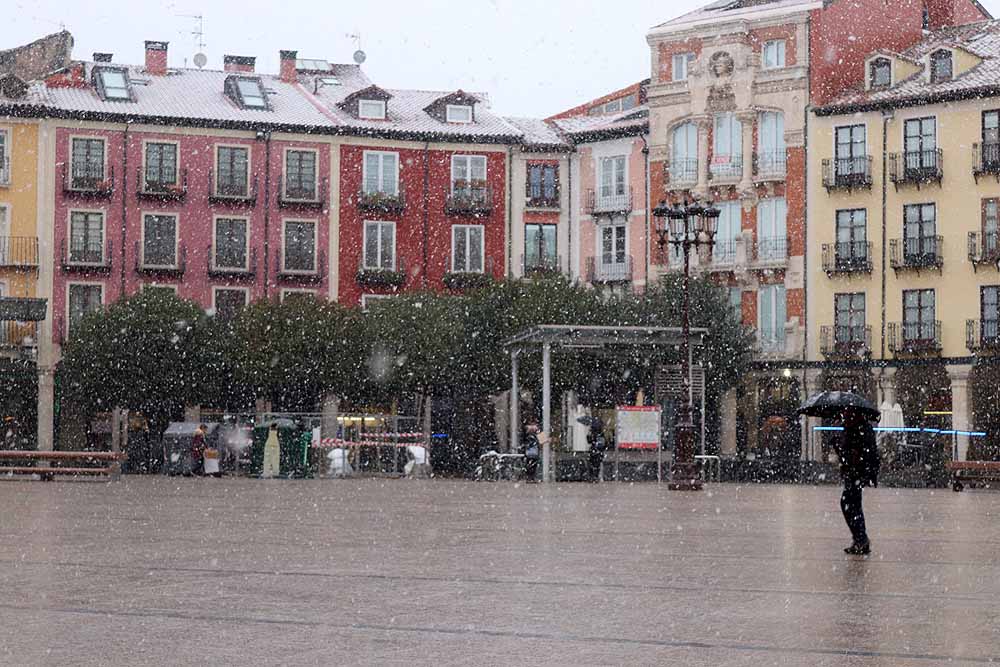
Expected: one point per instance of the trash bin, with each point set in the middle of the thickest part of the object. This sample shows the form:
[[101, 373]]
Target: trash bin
[[178, 452], [290, 454]]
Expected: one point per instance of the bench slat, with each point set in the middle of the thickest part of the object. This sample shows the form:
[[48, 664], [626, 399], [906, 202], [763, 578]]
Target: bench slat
[[37, 470], [61, 456], [980, 466]]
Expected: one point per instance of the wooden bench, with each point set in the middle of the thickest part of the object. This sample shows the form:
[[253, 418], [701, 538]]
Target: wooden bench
[[973, 472], [47, 463]]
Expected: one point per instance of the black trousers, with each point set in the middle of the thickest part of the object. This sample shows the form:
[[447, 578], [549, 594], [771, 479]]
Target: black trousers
[[595, 460], [530, 468], [854, 515]]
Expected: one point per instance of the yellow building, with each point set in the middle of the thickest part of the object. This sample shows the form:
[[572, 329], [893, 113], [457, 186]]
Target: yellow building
[[904, 185], [19, 250]]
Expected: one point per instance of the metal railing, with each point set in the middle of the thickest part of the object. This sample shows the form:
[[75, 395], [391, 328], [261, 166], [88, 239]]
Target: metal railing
[[986, 159], [247, 272], [541, 267], [382, 202], [984, 248], [726, 168], [469, 199], [19, 252], [723, 255], [315, 275], [159, 190], [916, 167], [598, 204], [535, 196], [86, 260], [846, 341], [922, 252], [847, 257], [613, 272], [221, 192], [177, 269], [88, 180], [314, 197], [982, 335], [682, 172], [914, 337], [772, 345], [770, 165], [5, 170], [381, 276], [771, 251], [18, 335], [847, 173]]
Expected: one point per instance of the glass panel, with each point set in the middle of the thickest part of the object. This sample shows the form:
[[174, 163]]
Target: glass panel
[[232, 171], [87, 162], [159, 244], [300, 246], [115, 84], [371, 179], [478, 167], [459, 168], [476, 249], [231, 243], [607, 244], [86, 243], [300, 171], [461, 252], [161, 165], [532, 246], [390, 174], [251, 93], [387, 245], [82, 300]]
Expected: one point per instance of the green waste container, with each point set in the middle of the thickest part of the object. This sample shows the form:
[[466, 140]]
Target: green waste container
[[289, 438]]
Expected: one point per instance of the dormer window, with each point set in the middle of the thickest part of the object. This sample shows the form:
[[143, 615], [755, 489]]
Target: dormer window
[[113, 84], [246, 91], [941, 68], [881, 73], [459, 113], [371, 109]]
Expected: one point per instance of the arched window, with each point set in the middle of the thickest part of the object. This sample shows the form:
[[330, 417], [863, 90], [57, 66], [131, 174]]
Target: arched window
[[941, 69], [881, 73], [684, 154]]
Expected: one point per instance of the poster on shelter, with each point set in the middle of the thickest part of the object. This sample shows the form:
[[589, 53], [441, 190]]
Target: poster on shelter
[[637, 427]]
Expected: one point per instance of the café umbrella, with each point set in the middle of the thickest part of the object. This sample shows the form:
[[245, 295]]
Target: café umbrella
[[831, 404]]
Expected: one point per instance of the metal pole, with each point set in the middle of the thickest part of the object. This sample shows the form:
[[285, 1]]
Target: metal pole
[[547, 411], [514, 404]]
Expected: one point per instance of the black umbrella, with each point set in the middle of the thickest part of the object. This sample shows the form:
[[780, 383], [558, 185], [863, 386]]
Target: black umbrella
[[831, 404]]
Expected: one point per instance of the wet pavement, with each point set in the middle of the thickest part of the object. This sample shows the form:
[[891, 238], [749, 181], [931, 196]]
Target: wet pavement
[[158, 571]]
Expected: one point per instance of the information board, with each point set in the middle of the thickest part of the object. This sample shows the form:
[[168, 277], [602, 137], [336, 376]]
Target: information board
[[637, 428]]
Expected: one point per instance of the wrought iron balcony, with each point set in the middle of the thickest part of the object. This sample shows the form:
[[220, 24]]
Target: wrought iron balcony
[[537, 197], [616, 204], [296, 196], [771, 346], [916, 253], [155, 190], [19, 252], [770, 165], [722, 256], [18, 336], [314, 275], [84, 180], [175, 270], [845, 341], [982, 335], [853, 173], [86, 259], [984, 249], [384, 277], [770, 253], [914, 337], [382, 202], [682, 173], [847, 257], [232, 273], [986, 160], [916, 167], [541, 267], [5, 170], [728, 168], [470, 280], [473, 199], [232, 193], [599, 271]]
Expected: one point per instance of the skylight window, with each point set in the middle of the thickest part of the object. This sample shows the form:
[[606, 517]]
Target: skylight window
[[459, 113], [329, 81], [371, 109], [251, 93], [313, 64], [114, 84]]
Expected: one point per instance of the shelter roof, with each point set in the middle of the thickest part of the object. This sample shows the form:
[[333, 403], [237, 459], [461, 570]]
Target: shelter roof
[[583, 336]]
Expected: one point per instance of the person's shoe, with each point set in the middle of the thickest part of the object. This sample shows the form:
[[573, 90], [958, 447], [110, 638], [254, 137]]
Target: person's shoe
[[859, 549]]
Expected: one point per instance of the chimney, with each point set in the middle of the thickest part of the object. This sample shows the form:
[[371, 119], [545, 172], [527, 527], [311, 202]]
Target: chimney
[[103, 57], [288, 71], [239, 63], [156, 57]]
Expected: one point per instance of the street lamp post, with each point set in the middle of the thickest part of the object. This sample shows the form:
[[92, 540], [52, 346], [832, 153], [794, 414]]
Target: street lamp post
[[685, 226]]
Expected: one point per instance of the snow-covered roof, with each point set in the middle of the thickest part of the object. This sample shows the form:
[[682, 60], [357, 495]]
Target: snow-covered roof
[[734, 10], [538, 133], [580, 128]]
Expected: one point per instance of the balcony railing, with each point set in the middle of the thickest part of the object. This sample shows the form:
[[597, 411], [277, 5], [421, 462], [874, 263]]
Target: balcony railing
[[536, 197], [379, 277], [5, 170], [18, 335], [469, 199], [682, 172], [771, 252], [290, 196], [916, 167], [19, 252], [233, 193], [770, 165], [175, 270], [88, 181], [541, 267], [914, 337], [916, 253], [982, 335], [723, 255], [158, 190], [377, 201], [845, 341], [726, 168], [85, 260], [986, 159], [847, 257], [616, 204], [315, 275], [984, 248], [847, 173], [771, 345], [232, 273], [599, 271]]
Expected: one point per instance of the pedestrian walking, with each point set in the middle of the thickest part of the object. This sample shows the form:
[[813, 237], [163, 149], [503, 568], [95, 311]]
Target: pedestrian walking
[[859, 467], [198, 449], [598, 447], [531, 448]]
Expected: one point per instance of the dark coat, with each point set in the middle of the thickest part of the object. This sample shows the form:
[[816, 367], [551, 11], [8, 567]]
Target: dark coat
[[530, 446], [860, 460]]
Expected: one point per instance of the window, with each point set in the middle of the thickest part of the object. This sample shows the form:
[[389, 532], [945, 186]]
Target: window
[[381, 173], [159, 241], [86, 163], [231, 240], [540, 247], [300, 246], [83, 299], [161, 165], [251, 93], [287, 294], [458, 113], [991, 142], [614, 248], [4, 157], [612, 177], [920, 143], [614, 106], [990, 312], [300, 175], [771, 318], [543, 185], [991, 227], [851, 151], [380, 245], [114, 84], [772, 241], [684, 154], [628, 102], [5, 252], [849, 319], [229, 302], [724, 250], [370, 301], [774, 54], [919, 316], [467, 248], [852, 239], [86, 237], [920, 234], [371, 109], [232, 167], [162, 290], [941, 67], [468, 176], [880, 73], [736, 302], [771, 143], [727, 158], [682, 63]]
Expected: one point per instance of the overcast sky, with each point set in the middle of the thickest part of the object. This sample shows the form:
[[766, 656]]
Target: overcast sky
[[533, 57]]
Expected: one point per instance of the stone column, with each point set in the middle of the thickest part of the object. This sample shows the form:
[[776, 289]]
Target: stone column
[[46, 408], [331, 411], [704, 126], [811, 450], [960, 417], [747, 120], [727, 425]]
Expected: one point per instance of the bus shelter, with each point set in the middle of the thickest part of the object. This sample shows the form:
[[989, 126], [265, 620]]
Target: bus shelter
[[590, 339]]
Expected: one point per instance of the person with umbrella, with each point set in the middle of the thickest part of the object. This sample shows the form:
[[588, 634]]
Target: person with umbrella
[[858, 453]]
